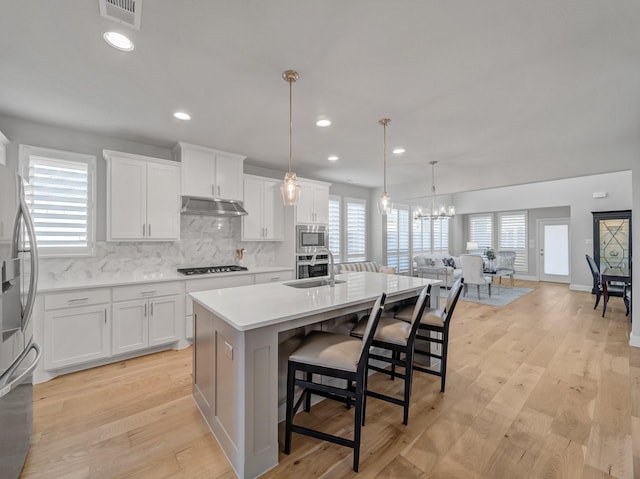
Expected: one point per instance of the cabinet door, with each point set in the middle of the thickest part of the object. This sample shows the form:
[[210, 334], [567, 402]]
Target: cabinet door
[[163, 318], [163, 194], [252, 223], [198, 168], [321, 204], [304, 209], [130, 328], [272, 211], [76, 335], [228, 178], [127, 199]]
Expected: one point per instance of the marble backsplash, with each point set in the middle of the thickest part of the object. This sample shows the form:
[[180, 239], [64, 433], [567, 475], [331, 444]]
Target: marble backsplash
[[205, 241]]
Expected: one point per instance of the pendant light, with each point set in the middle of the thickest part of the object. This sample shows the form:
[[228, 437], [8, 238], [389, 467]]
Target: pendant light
[[384, 203], [290, 188]]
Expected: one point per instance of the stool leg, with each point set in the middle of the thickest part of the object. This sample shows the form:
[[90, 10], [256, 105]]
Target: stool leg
[[291, 373], [358, 423], [408, 376], [443, 361], [307, 399]]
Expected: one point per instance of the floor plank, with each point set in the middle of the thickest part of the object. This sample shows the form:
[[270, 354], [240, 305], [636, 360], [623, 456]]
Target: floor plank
[[543, 387]]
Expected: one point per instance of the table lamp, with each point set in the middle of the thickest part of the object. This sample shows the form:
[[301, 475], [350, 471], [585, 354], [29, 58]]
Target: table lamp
[[472, 246]]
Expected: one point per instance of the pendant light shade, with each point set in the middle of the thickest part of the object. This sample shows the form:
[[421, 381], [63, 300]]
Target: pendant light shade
[[384, 203], [290, 188]]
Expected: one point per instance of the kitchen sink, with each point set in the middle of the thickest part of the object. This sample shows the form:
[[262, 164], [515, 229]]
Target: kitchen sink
[[312, 284]]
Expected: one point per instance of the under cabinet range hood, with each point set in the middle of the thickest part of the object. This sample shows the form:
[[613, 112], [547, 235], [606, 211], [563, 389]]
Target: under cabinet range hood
[[192, 205]]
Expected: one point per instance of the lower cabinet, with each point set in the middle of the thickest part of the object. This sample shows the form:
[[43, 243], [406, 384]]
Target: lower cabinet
[[76, 334]]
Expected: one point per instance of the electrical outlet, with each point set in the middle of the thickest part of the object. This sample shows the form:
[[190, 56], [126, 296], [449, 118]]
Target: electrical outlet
[[228, 350]]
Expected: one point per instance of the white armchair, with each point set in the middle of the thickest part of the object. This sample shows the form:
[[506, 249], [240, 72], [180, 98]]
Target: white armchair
[[505, 265], [473, 272]]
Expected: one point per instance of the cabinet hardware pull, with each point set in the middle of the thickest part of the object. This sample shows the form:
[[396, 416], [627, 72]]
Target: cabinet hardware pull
[[149, 228], [105, 316], [143, 230], [148, 292], [77, 300], [265, 232], [151, 309], [218, 190], [145, 310]]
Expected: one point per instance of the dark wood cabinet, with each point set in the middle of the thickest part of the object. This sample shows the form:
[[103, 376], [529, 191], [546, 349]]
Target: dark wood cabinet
[[612, 239]]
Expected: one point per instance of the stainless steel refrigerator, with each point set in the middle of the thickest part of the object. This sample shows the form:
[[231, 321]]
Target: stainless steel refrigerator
[[19, 354]]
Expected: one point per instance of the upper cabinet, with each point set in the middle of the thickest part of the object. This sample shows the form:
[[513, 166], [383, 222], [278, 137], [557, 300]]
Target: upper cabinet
[[263, 203], [209, 173], [3, 149], [313, 205], [143, 198]]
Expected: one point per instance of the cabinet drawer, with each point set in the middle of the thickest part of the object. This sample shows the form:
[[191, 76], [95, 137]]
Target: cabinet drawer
[[83, 297], [146, 290], [273, 277]]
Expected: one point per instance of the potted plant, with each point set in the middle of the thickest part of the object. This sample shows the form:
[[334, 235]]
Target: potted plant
[[490, 254]]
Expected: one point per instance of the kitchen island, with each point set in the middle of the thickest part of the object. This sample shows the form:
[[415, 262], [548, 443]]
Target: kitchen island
[[235, 363]]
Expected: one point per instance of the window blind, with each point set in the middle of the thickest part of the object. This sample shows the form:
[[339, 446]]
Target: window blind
[[481, 230], [356, 230], [441, 234], [512, 236], [334, 227], [58, 194], [398, 238]]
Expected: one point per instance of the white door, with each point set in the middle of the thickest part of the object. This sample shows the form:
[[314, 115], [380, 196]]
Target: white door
[[163, 317], [198, 168], [228, 178], [163, 212], [553, 250], [130, 326], [128, 197]]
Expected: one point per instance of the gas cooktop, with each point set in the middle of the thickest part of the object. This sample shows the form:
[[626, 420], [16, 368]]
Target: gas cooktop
[[211, 269]]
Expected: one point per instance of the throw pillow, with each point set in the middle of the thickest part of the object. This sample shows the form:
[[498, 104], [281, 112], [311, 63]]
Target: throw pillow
[[449, 262]]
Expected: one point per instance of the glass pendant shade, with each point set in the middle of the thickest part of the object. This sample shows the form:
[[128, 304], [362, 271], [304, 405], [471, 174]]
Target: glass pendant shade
[[290, 189], [384, 204]]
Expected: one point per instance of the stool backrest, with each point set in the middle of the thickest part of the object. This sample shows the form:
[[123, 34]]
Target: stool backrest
[[418, 310], [595, 272], [452, 297], [372, 324]]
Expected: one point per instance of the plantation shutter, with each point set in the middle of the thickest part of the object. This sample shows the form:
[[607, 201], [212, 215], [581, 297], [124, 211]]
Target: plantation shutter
[[356, 230], [481, 230], [512, 236], [334, 227]]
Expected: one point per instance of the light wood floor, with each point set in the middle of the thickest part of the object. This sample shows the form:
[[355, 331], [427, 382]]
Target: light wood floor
[[543, 387]]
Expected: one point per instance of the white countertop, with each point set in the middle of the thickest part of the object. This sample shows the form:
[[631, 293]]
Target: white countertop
[[251, 307], [46, 285]]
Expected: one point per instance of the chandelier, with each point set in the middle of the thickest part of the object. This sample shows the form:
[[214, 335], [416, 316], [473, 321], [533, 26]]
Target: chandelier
[[290, 188], [438, 207]]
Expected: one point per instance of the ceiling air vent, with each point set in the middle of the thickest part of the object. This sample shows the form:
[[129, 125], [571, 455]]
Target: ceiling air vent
[[126, 12]]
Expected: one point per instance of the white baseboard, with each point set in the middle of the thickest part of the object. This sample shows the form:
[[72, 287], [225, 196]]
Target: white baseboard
[[580, 287], [525, 277], [634, 340]]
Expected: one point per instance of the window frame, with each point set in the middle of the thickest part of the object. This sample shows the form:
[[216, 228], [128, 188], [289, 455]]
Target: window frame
[[26, 152]]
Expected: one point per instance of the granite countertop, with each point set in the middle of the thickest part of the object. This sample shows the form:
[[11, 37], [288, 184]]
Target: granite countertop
[[47, 285], [278, 302]]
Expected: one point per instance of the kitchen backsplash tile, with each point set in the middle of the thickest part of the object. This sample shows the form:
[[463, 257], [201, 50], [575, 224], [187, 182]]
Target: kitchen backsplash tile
[[205, 240]]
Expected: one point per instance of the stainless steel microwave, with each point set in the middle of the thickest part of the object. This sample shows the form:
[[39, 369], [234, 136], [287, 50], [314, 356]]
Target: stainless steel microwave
[[310, 237]]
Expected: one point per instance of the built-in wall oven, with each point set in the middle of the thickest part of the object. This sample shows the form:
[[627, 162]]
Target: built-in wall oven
[[306, 267], [309, 238]]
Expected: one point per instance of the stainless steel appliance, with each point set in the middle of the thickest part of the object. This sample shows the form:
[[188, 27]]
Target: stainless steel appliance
[[211, 269], [309, 238], [19, 354], [306, 267]]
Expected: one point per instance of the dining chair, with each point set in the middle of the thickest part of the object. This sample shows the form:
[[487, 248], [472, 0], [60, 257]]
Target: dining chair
[[437, 321], [612, 289], [335, 356], [505, 265], [473, 272], [397, 337]]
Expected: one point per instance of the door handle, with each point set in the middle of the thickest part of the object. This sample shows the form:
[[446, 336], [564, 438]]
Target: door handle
[[7, 388], [33, 277]]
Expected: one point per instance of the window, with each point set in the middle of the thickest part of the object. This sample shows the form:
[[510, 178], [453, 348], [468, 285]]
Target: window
[[347, 229], [430, 236], [512, 236], [334, 227], [441, 234], [398, 238], [356, 229], [59, 194], [481, 230]]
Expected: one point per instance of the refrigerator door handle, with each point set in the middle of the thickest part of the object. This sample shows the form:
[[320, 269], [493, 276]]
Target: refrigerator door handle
[[33, 251], [5, 386]]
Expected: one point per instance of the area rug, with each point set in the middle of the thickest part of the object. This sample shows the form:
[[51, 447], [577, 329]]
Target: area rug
[[498, 298]]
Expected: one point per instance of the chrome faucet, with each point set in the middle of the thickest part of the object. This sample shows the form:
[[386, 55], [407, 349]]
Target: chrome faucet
[[332, 273]]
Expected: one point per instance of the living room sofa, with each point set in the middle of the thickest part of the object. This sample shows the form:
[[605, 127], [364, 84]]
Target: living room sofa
[[434, 260], [371, 266]]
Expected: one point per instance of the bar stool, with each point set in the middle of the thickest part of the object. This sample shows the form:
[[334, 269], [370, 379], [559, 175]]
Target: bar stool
[[438, 321], [398, 337], [335, 356]]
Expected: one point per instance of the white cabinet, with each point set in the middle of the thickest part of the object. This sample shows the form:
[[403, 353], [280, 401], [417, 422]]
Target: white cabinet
[[265, 209], [274, 277], [209, 173], [3, 149], [146, 316], [143, 198], [76, 327], [313, 205]]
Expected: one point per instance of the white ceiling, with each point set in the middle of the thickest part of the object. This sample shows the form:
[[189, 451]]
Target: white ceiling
[[490, 84]]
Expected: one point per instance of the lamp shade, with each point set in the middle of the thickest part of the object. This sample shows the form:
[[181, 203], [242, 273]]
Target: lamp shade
[[472, 245]]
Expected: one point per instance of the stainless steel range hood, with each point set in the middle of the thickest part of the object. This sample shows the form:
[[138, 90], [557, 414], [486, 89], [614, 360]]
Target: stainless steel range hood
[[204, 206]]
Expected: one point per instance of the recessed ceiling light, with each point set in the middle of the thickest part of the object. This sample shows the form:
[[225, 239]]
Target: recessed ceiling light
[[118, 40], [180, 115], [333, 158], [323, 122], [398, 151]]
